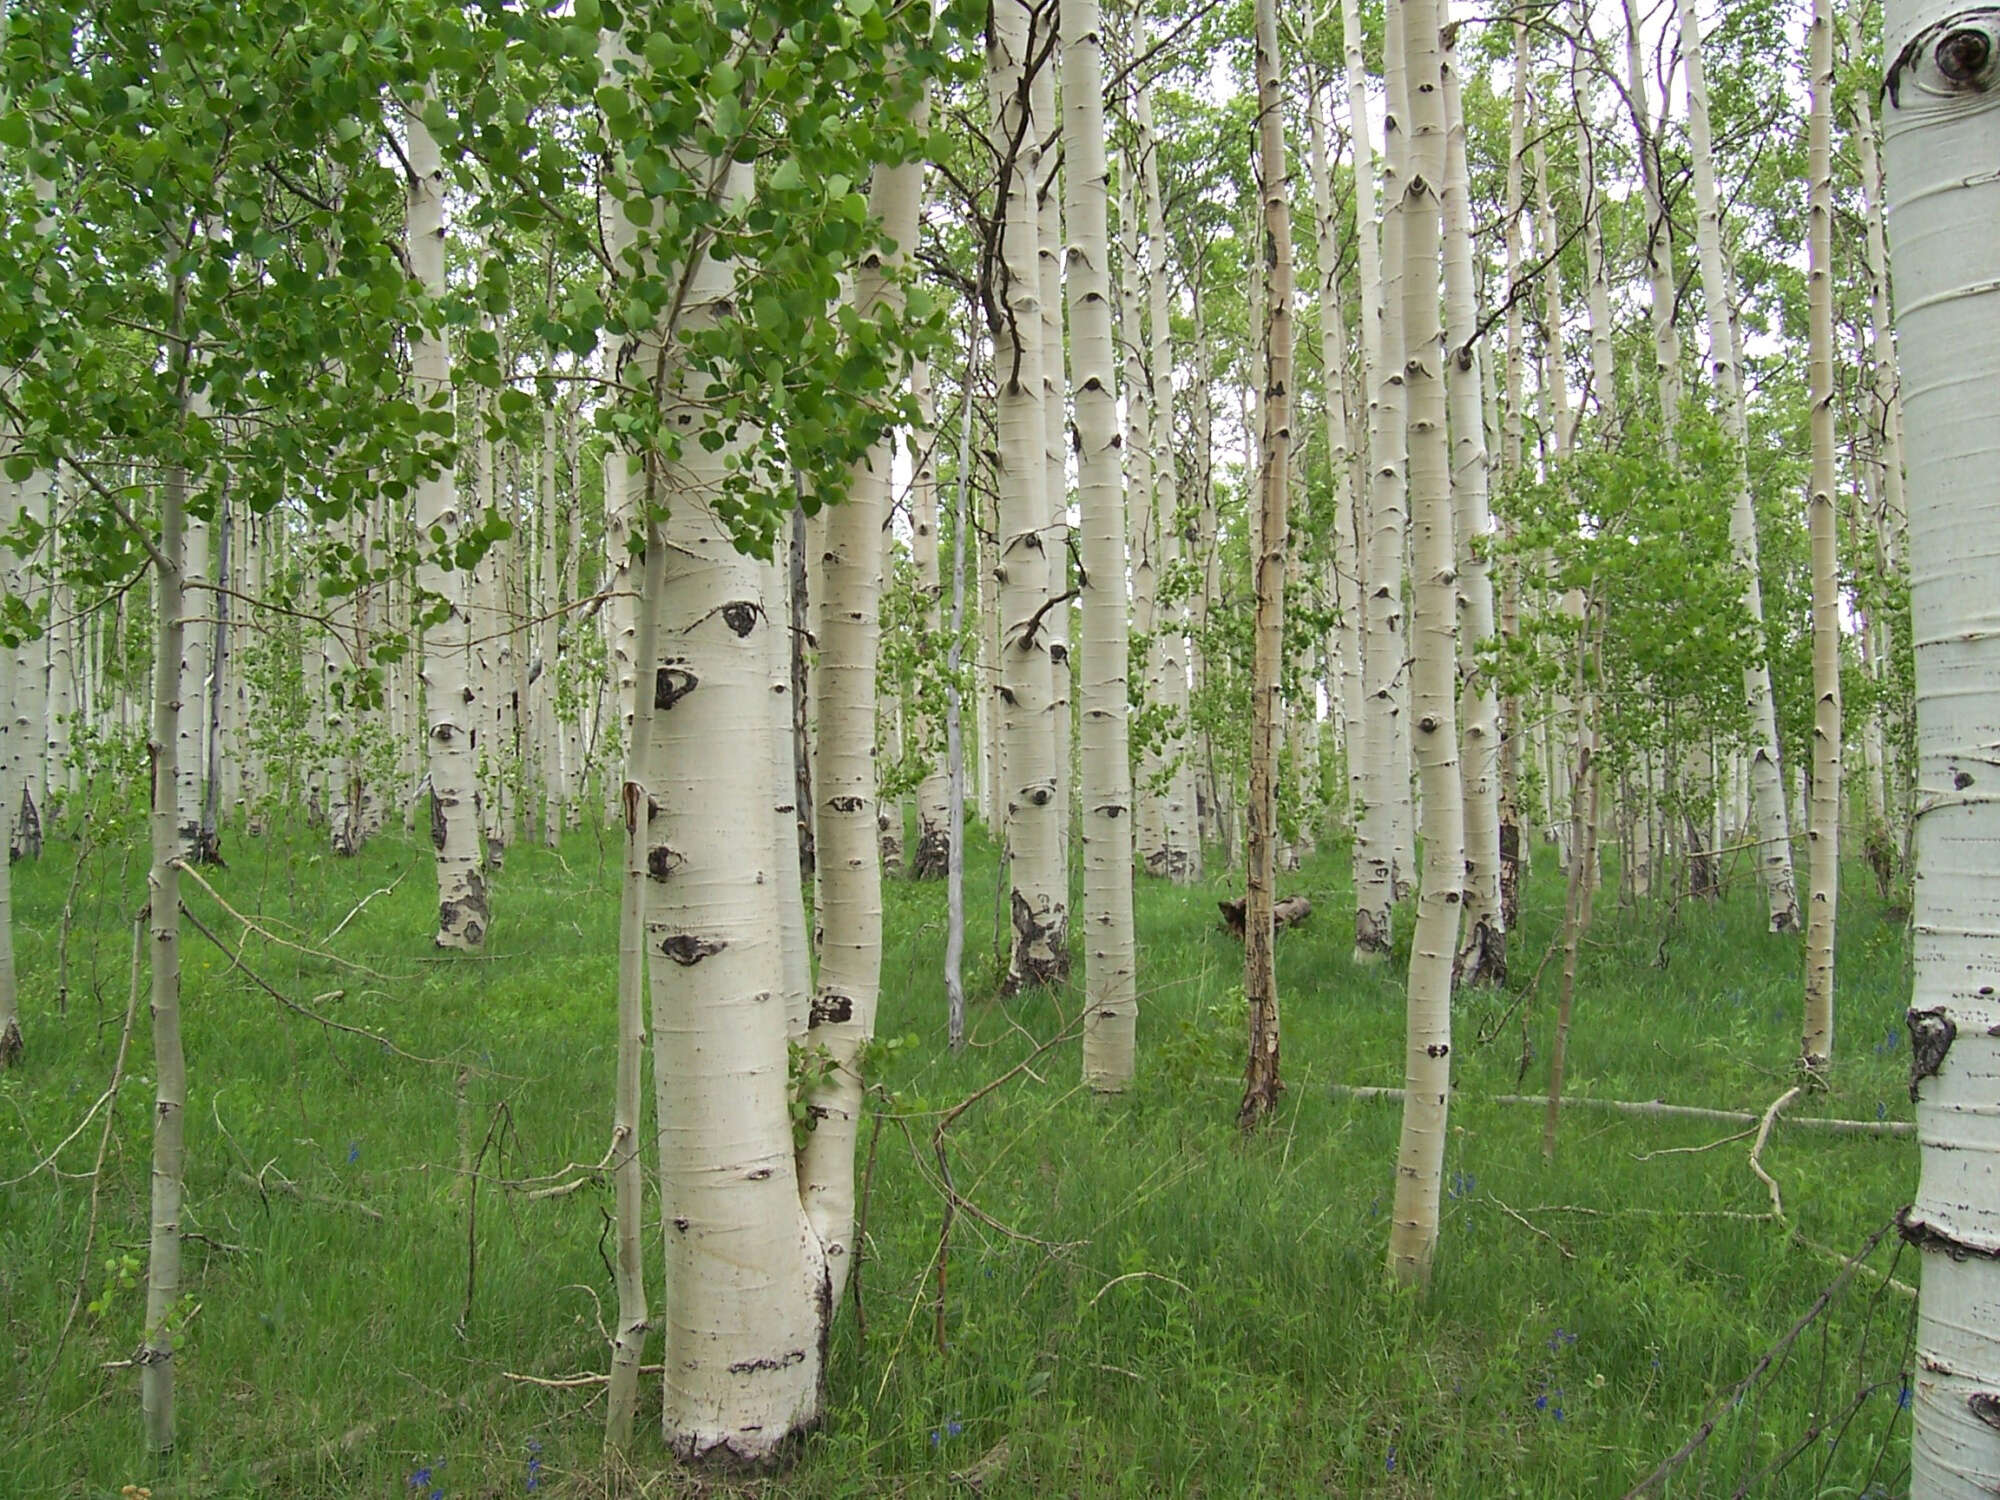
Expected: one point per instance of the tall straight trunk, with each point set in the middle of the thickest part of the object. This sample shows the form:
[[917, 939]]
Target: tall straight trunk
[[1413, 1230], [747, 1280], [1110, 983], [1515, 845], [1555, 368], [1942, 134], [1055, 430], [1149, 804], [1772, 826], [1346, 634], [1597, 284], [1581, 871], [463, 914], [11, 1045], [1260, 976], [1482, 952], [628, 1108], [1659, 233], [954, 735], [1201, 397], [1177, 855], [163, 897], [1039, 897], [842, 1017], [192, 716], [1823, 524], [208, 839], [1382, 641], [927, 858]]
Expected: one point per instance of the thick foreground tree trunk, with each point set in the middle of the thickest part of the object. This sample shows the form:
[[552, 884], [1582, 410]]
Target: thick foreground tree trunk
[[1942, 136]]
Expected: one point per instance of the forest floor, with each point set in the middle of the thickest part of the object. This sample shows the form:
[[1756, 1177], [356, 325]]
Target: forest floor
[[1137, 1302]]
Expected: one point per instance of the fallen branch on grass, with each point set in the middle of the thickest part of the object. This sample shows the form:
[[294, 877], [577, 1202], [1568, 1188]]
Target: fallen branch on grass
[[1287, 913], [1654, 1109]]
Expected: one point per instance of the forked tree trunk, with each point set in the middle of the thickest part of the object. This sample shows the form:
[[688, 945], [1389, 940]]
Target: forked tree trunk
[[1413, 1230], [1942, 135], [1110, 987], [1823, 826], [1039, 896], [1260, 978], [463, 916], [1772, 826]]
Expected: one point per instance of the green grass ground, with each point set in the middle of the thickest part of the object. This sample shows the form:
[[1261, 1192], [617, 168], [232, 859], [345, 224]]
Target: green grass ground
[[1144, 1304]]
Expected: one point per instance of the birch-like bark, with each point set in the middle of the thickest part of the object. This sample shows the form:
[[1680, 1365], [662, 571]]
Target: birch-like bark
[[1413, 1226], [1823, 525], [463, 914], [192, 715], [1055, 429], [627, 1117], [1659, 233], [1772, 826], [1514, 845], [842, 1018], [954, 735], [1177, 855], [1260, 977], [1941, 137], [1149, 812], [1346, 634], [1382, 641], [1110, 984], [927, 857], [1039, 897], [11, 1044], [163, 895], [1482, 951]]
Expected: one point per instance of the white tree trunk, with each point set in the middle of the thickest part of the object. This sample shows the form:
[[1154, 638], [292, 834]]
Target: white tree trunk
[[928, 860], [1413, 1229], [1110, 972], [1482, 953], [1773, 829], [1823, 824], [463, 915], [1941, 135], [1039, 898]]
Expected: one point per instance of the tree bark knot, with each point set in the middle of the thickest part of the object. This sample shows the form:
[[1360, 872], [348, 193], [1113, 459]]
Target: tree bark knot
[[687, 950], [1931, 1034]]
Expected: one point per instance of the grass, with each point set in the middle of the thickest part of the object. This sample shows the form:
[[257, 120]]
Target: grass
[[1168, 1309]]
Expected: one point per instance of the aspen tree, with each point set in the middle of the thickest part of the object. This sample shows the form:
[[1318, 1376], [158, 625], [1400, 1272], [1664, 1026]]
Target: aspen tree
[[842, 1017], [1149, 814], [1659, 233], [163, 886], [1941, 120], [1513, 845], [1772, 829], [1597, 285], [1039, 898], [1111, 1000], [1413, 1228], [1260, 978], [1482, 952], [1346, 635], [11, 1043], [1055, 430], [1823, 827], [1382, 639], [1178, 853], [463, 914], [927, 858]]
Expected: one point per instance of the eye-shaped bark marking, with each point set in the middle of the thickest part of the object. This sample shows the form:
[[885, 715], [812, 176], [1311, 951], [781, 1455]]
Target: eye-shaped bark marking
[[740, 615], [831, 1008], [671, 684], [687, 950]]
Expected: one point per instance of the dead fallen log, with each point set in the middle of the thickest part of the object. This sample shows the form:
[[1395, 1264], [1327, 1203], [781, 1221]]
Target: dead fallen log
[[1659, 1109], [1287, 913]]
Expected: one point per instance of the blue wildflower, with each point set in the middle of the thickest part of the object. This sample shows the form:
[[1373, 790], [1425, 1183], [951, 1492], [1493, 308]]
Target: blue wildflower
[[1542, 1402], [1559, 1413], [353, 1156], [421, 1478], [1389, 1463], [1903, 1397]]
